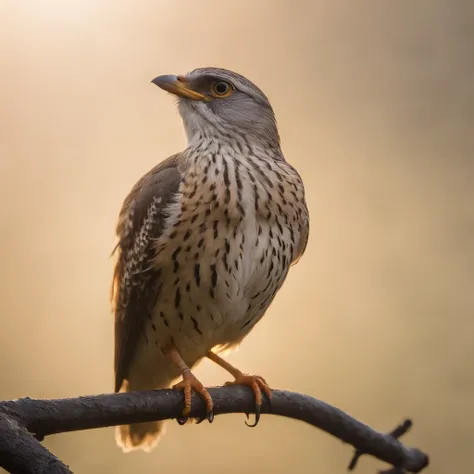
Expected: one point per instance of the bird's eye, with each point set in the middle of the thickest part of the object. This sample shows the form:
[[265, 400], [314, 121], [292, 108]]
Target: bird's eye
[[221, 89]]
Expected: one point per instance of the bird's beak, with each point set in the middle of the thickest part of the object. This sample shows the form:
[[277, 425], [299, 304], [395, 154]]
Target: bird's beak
[[177, 85]]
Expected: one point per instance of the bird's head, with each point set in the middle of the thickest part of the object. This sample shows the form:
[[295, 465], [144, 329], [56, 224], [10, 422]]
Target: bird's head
[[218, 102]]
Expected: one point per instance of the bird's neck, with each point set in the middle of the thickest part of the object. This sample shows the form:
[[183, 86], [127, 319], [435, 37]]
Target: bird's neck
[[243, 143], [240, 147]]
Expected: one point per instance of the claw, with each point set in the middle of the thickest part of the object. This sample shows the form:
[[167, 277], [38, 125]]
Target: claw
[[258, 385], [209, 417], [182, 420], [257, 417]]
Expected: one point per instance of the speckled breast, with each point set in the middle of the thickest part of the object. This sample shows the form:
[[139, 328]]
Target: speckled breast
[[230, 239]]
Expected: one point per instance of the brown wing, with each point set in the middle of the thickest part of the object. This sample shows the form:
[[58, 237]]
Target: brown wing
[[136, 280]]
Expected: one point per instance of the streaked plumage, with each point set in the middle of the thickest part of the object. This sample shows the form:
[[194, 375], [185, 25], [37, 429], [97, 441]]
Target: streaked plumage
[[206, 238]]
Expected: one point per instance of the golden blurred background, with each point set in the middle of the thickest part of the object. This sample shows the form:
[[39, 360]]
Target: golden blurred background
[[375, 102]]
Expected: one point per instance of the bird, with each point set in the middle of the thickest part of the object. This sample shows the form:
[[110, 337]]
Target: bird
[[205, 240]]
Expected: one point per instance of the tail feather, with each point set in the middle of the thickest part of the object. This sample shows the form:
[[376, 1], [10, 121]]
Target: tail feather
[[144, 436]]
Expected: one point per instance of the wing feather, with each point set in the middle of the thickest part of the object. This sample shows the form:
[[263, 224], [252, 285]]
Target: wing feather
[[136, 281]]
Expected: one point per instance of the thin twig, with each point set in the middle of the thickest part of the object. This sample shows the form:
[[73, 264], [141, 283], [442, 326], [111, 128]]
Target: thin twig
[[399, 431]]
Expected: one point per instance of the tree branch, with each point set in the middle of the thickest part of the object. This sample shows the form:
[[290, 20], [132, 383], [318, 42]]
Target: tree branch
[[45, 417], [20, 451]]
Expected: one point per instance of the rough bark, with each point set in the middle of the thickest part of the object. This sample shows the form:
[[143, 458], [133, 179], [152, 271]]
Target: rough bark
[[21, 452]]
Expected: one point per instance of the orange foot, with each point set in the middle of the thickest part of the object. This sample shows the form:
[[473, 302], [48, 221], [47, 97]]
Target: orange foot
[[189, 383], [257, 384]]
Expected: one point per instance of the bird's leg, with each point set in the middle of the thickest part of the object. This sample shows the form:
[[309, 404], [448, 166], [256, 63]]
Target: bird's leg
[[255, 382], [189, 383]]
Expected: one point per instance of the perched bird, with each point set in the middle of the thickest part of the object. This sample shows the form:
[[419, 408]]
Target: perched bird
[[205, 241]]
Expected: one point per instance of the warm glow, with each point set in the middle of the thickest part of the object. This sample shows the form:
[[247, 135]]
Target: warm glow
[[374, 103]]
